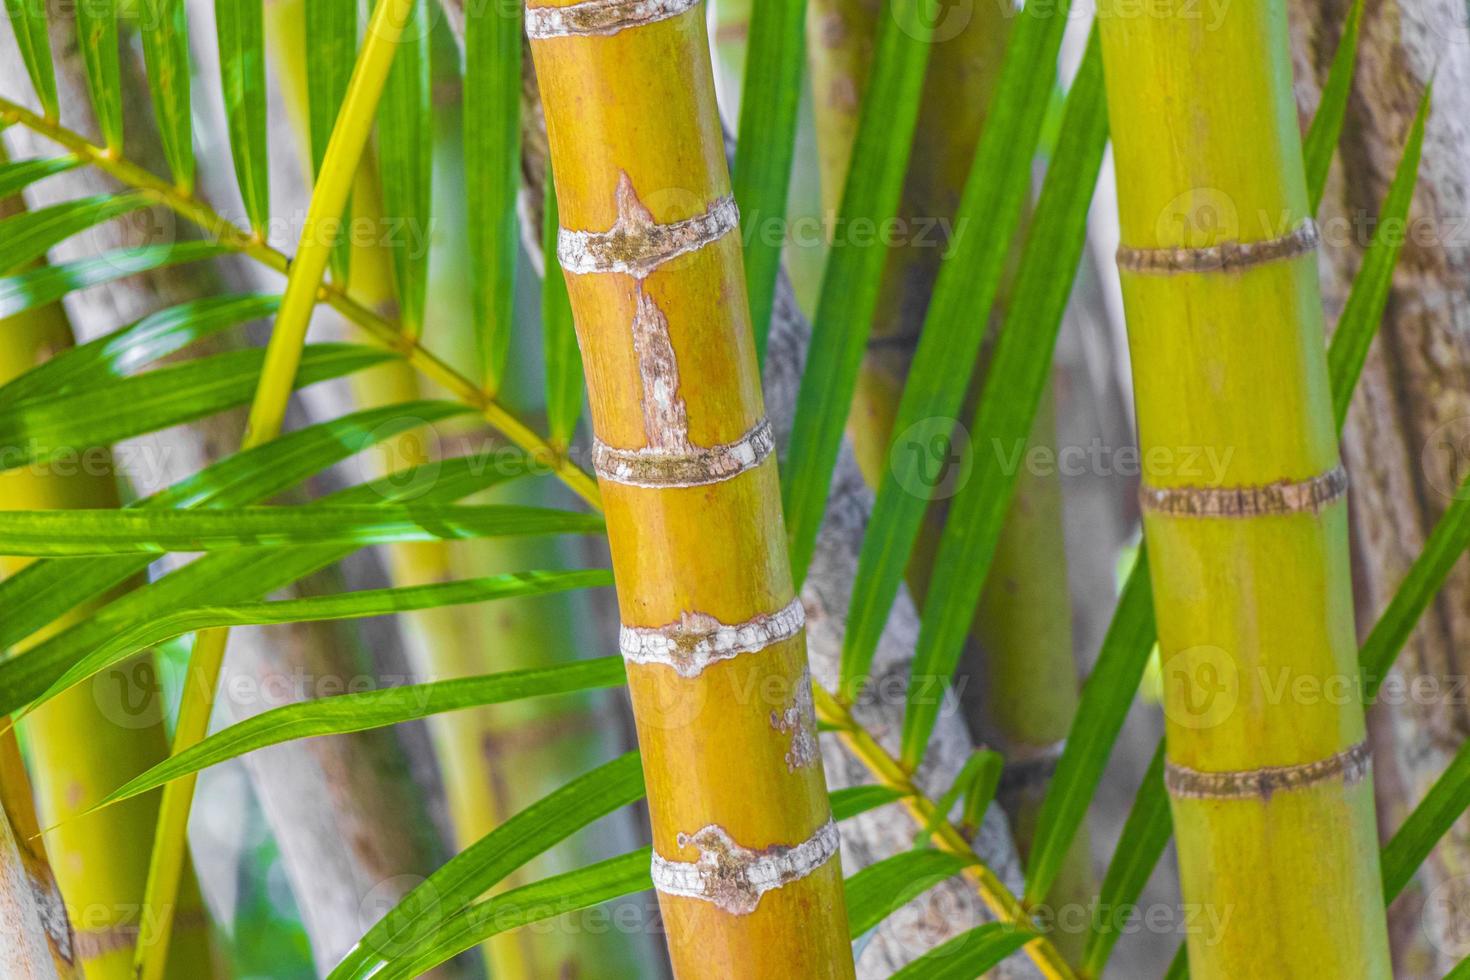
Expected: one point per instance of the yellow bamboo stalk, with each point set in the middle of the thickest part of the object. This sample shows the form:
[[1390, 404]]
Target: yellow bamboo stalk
[[1268, 770], [745, 849]]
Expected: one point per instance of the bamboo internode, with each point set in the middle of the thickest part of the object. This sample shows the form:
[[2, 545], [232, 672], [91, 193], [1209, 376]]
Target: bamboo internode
[[1271, 791], [745, 850]]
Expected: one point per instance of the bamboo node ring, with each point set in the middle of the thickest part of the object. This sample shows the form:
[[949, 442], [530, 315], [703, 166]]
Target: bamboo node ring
[[733, 877], [1312, 495], [1225, 257], [636, 245], [599, 18], [1033, 769], [698, 640], [1352, 765], [656, 468]]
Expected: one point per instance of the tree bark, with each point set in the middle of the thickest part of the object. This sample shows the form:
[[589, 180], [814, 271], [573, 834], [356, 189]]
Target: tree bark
[[1407, 440]]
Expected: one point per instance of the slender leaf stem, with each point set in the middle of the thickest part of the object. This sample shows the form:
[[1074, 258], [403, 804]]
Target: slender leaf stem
[[992, 891]]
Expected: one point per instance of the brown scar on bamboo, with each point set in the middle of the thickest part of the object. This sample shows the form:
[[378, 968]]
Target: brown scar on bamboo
[[1227, 256], [599, 18], [733, 877], [1351, 765], [1284, 497], [698, 640], [665, 420], [799, 720], [636, 245]]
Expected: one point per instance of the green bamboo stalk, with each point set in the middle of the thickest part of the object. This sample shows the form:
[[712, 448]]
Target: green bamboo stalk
[[1244, 497]]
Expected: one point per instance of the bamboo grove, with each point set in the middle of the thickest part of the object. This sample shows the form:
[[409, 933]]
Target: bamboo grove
[[378, 259]]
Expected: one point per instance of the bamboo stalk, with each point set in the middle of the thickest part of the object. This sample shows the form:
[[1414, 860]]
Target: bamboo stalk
[[85, 740], [1271, 789], [37, 942], [746, 862]]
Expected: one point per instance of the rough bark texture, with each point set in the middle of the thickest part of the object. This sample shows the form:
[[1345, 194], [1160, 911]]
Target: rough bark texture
[[344, 809], [1407, 442]]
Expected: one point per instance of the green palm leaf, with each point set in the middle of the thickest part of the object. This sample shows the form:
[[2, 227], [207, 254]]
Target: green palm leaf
[[422, 913], [28, 19], [109, 532], [49, 427], [331, 45], [564, 382], [405, 164], [38, 287], [349, 605], [125, 351], [879, 890], [492, 151], [44, 590], [165, 31], [1007, 408], [17, 175], [967, 955], [348, 713], [97, 34], [583, 888], [237, 576], [241, 36], [767, 141], [27, 236]]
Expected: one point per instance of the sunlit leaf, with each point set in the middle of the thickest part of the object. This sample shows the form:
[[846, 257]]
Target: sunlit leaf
[[28, 19], [165, 31], [48, 427], [492, 150], [241, 36], [26, 237], [405, 165], [423, 912], [766, 144]]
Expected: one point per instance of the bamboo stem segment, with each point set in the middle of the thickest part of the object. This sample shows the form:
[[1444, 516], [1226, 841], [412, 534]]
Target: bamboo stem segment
[[745, 852], [1271, 793]]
